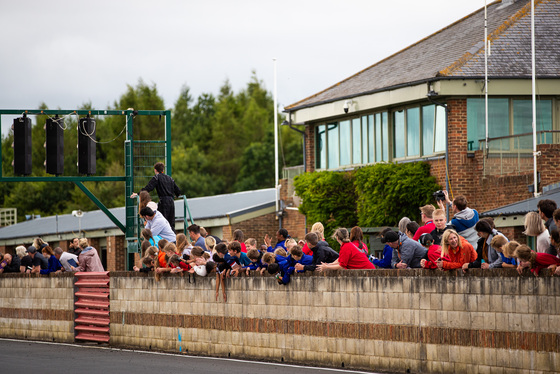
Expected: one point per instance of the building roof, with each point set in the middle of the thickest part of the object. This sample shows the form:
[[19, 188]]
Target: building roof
[[525, 206], [200, 207], [457, 51]]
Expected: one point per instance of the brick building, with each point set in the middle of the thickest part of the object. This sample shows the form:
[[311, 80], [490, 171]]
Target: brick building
[[427, 103]]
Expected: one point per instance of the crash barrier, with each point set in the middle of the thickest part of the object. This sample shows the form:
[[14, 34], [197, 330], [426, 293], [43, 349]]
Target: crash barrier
[[379, 320], [92, 306]]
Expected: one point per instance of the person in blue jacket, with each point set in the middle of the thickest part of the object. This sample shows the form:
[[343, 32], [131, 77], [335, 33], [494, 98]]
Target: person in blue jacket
[[54, 265], [281, 237], [385, 261]]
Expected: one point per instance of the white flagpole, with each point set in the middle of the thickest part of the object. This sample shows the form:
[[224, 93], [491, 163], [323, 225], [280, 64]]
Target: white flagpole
[[533, 87], [275, 137], [486, 76]]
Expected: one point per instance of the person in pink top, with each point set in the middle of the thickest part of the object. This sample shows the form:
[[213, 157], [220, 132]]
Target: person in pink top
[[89, 258], [427, 214], [350, 257]]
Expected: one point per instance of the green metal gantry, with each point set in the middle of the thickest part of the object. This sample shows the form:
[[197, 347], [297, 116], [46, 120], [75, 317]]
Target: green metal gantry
[[131, 225]]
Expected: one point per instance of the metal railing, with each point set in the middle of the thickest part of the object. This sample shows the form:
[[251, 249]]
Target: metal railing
[[513, 154]]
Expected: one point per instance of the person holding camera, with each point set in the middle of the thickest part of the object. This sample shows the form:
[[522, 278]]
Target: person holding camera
[[465, 218]]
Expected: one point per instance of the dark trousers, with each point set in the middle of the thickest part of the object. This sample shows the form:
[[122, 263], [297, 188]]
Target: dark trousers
[[166, 207]]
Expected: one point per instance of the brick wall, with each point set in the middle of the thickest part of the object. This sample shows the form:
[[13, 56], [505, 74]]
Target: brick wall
[[37, 307], [310, 148], [379, 320], [254, 228], [116, 252], [382, 320]]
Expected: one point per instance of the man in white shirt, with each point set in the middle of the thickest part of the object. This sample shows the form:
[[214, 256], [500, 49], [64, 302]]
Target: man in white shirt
[[64, 257], [157, 223]]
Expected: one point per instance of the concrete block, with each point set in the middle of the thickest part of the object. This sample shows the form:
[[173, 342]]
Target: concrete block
[[447, 302], [436, 301], [529, 322], [425, 301], [459, 302]]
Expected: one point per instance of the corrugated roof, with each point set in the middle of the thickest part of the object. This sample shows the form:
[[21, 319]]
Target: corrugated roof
[[523, 207], [200, 207], [458, 51]]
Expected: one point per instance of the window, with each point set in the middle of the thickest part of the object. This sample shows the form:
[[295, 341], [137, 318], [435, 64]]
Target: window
[[413, 132], [320, 147], [357, 141], [399, 134], [507, 118], [360, 140], [440, 129], [332, 145], [371, 139]]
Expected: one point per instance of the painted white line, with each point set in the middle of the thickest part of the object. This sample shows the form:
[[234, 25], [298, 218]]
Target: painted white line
[[191, 356]]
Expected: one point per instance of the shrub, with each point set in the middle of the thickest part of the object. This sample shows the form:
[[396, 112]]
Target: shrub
[[388, 192]]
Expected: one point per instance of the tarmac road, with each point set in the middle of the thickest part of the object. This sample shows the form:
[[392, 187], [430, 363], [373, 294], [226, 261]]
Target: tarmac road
[[22, 356]]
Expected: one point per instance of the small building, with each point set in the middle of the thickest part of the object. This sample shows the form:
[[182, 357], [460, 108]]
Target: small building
[[509, 219], [427, 103]]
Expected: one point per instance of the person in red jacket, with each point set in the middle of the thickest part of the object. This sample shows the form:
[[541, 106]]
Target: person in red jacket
[[535, 261], [427, 213], [350, 257], [357, 238]]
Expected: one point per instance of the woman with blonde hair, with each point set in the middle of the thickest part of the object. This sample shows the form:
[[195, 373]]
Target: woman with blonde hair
[[534, 226], [456, 251], [89, 258], [210, 243], [318, 229]]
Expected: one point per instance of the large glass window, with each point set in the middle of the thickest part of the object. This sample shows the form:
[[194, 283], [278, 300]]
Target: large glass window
[[357, 141], [360, 140], [332, 138], [523, 121], [370, 139], [399, 134], [507, 117], [320, 147], [345, 143], [441, 129], [428, 120], [385, 134], [413, 131]]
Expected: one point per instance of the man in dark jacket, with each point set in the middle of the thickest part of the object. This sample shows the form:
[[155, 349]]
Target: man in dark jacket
[[166, 189], [321, 253], [407, 253]]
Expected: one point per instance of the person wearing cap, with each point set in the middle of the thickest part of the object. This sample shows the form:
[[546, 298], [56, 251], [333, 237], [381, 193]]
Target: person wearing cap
[[38, 261], [407, 253]]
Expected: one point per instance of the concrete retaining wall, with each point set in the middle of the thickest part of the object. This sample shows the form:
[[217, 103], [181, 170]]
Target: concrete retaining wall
[[37, 307], [414, 320]]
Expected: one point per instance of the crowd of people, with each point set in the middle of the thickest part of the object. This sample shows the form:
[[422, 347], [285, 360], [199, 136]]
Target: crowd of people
[[464, 242], [40, 258]]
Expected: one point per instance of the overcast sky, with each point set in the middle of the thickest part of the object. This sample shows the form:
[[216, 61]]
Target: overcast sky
[[66, 53]]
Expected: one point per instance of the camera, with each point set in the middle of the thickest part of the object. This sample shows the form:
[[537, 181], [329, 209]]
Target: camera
[[439, 196]]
